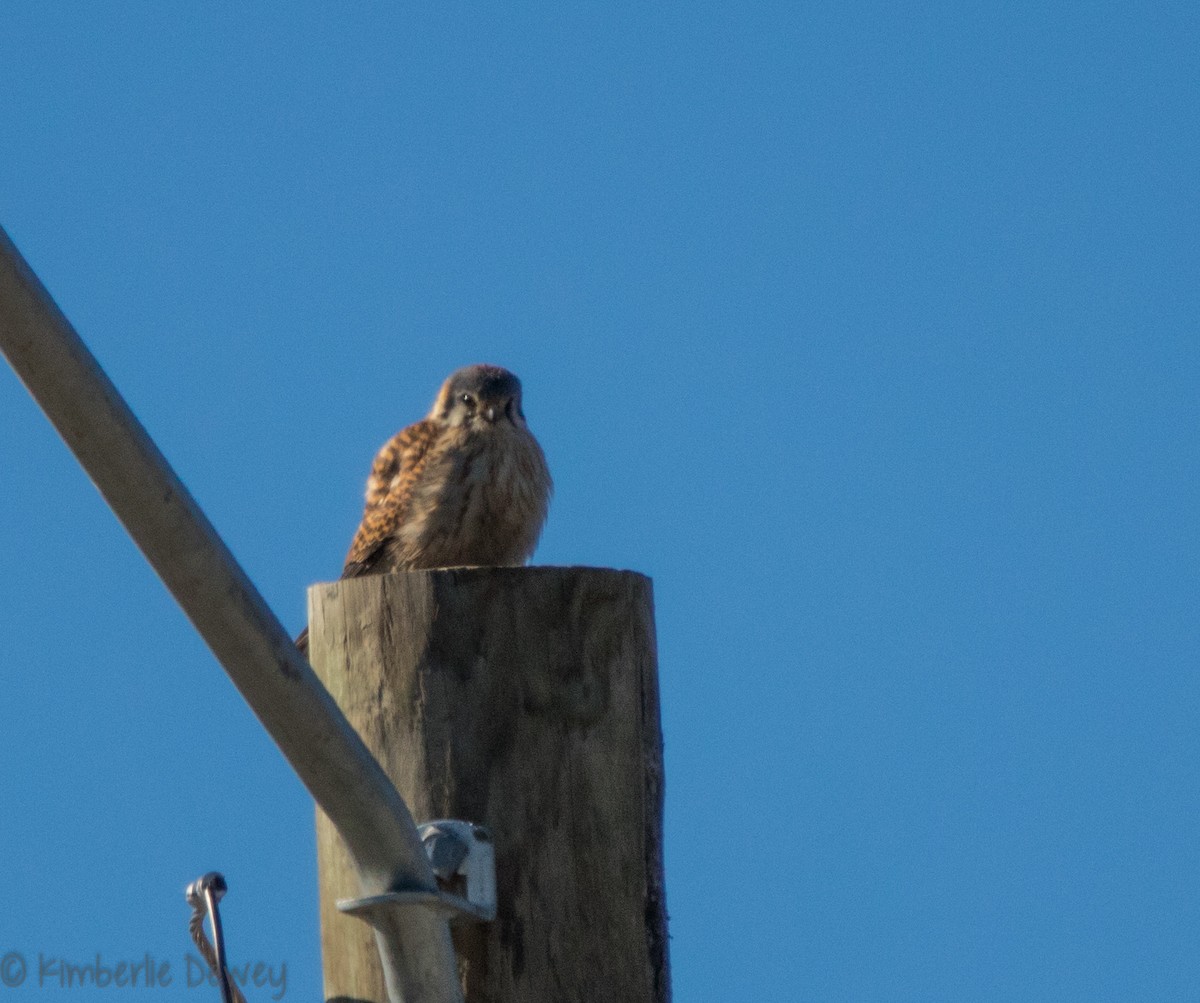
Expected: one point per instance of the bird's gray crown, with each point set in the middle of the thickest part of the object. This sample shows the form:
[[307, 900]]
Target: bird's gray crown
[[488, 382]]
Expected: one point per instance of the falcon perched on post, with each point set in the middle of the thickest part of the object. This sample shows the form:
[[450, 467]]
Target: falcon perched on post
[[467, 485]]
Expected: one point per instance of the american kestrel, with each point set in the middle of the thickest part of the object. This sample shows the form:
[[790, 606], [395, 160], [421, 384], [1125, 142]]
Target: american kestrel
[[467, 485]]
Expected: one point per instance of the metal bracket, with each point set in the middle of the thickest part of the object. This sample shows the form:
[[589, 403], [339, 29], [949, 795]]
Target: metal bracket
[[463, 858]]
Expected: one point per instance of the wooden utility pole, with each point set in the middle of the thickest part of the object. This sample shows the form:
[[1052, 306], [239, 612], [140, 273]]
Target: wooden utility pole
[[525, 700]]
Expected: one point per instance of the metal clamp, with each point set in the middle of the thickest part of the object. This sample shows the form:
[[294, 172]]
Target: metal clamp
[[463, 858]]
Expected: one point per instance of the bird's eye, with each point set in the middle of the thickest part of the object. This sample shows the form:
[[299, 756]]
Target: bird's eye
[[467, 399]]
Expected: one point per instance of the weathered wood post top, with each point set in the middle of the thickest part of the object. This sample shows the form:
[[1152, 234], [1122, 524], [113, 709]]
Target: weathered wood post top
[[524, 700]]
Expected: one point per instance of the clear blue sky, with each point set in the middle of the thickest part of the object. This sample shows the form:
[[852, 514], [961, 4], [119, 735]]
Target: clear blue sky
[[869, 332]]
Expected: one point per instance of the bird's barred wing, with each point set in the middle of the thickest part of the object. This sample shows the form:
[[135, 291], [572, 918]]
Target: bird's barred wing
[[386, 466], [390, 488]]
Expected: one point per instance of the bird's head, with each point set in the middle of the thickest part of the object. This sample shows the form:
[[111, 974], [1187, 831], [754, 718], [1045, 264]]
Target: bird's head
[[480, 397]]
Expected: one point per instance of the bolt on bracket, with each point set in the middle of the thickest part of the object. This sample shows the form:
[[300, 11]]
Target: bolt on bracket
[[463, 858]]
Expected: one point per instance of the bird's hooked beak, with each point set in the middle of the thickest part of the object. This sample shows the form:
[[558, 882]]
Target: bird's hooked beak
[[491, 413]]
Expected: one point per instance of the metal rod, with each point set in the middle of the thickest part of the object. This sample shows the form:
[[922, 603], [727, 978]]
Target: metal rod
[[214, 918], [202, 895], [234, 620]]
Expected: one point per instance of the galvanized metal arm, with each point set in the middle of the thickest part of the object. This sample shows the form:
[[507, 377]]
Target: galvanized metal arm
[[248, 640]]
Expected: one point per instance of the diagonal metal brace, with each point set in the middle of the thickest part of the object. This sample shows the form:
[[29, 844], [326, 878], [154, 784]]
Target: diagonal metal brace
[[226, 609]]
